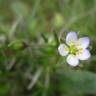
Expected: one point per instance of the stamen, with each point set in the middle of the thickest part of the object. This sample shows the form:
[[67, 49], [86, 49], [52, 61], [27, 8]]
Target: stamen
[[73, 50]]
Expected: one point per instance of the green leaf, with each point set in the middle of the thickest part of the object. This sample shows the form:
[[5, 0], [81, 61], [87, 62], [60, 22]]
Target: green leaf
[[77, 82], [16, 45], [4, 89]]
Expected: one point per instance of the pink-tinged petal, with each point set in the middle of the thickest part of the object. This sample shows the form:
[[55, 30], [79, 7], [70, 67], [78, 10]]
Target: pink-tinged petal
[[63, 50], [72, 60], [85, 55], [71, 38], [83, 42]]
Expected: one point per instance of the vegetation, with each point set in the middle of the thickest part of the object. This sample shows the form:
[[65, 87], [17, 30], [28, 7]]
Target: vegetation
[[30, 32]]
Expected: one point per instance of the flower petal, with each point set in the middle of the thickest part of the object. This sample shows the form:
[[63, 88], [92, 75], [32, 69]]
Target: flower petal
[[71, 38], [72, 60], [85, 55], [84, 42], [63, 50]]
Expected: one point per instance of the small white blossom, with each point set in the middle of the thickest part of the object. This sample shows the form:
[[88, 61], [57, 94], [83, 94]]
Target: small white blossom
[[75, 49]]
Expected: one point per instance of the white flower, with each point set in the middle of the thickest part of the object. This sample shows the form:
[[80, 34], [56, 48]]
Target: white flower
[[75, 49]]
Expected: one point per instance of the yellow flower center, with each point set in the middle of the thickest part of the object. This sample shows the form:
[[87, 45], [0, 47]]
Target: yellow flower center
[[73, 50]]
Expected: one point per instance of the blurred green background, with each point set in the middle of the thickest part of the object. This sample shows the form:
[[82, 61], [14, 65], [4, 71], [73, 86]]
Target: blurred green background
[[30, 32]]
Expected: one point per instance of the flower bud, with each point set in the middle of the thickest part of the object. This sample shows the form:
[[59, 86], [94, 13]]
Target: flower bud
[[58, 20]]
